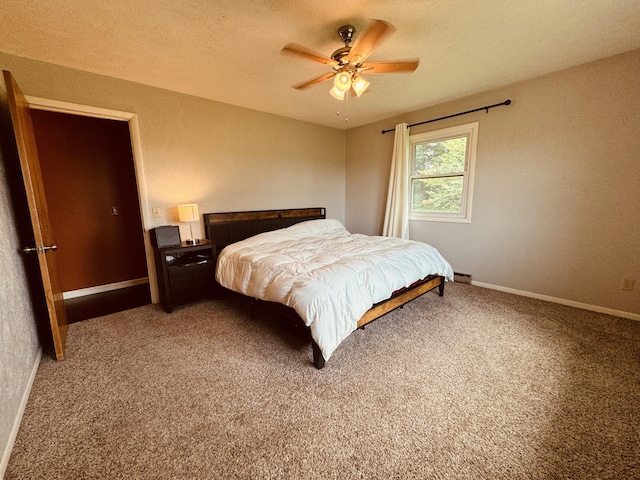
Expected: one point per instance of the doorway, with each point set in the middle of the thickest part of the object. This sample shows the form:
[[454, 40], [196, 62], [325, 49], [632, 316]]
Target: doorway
[[89, 176]]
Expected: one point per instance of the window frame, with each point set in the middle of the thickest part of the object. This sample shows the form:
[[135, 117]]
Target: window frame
[[470, 130]]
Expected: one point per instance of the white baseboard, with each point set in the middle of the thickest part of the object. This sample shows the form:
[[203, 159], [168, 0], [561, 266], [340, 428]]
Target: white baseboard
[[18, 420], [104, 288], [561, 301]]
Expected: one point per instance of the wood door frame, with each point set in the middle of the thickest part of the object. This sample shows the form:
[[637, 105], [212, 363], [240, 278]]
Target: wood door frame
[[39, 103]]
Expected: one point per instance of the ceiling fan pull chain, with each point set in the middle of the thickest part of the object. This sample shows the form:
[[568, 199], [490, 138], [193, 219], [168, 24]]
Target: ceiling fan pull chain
[[346, 107]]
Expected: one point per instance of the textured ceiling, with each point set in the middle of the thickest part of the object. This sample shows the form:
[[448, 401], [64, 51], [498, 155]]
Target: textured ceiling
[[229, 50]]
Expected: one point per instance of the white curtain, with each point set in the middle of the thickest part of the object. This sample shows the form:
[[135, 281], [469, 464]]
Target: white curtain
[[396, 217]]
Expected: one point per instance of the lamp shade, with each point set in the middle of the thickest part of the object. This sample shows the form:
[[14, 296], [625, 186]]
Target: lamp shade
[[342, 81], [188, 212], [337, 94], [359, 85]]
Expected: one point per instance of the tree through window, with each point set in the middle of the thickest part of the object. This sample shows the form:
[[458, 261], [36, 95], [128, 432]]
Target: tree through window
[[442, 173]]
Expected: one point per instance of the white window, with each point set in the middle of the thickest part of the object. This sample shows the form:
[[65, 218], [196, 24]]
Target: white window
[[441, 174]]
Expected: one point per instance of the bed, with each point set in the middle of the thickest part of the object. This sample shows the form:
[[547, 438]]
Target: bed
[[332, 281]]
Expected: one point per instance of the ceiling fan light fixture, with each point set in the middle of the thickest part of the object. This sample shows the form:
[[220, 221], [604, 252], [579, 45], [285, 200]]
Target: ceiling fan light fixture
[[349, 61], [337, 94], [342, 81], [359, 85]]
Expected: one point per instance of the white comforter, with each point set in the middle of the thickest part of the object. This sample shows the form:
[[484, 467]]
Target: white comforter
[[329, 276]]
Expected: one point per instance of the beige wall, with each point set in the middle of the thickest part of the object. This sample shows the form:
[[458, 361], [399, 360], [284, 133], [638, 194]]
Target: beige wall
[[19, 345], [194, 150], [556, 202]]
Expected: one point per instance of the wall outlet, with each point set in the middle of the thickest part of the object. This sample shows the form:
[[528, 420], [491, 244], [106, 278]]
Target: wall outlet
[[156, 212], [627, 284]]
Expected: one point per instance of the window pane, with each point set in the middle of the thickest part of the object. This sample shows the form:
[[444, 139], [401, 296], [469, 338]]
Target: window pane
[[445, 156], [437, 195]]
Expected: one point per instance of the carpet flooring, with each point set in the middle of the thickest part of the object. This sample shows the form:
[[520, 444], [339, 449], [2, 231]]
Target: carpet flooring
[[477, 384]]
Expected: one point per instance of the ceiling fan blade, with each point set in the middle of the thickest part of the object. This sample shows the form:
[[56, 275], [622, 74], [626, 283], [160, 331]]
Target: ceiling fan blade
[[314, 81], [400, 66], [296, 50], [369, 40]]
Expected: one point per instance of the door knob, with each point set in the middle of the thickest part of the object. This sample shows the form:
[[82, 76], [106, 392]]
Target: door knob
[[40, 248]]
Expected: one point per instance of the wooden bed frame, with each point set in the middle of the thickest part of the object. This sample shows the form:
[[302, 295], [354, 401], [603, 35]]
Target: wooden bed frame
[[230, 227]]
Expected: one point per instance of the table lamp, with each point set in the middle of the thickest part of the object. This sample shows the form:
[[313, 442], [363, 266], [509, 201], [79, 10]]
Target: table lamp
[[189, 213]]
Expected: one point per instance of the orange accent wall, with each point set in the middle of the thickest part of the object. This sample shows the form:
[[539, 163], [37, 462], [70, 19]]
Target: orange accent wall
[[88, 169]]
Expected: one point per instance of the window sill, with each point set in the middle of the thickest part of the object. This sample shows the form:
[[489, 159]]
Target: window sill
[[437, 218]]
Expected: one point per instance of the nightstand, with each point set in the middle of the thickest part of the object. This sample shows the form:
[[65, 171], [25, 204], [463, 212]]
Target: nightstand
[[185, 273]]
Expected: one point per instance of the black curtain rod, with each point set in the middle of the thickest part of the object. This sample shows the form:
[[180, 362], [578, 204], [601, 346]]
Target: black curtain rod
[[506, 102]]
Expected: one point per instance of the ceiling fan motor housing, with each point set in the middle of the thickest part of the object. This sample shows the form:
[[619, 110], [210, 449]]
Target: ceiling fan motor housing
[[346, 33]]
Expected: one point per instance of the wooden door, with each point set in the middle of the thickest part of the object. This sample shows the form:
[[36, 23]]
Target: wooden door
[[22, 149]]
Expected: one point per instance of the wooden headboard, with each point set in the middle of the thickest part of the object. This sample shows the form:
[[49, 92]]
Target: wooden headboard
[[230, 227]]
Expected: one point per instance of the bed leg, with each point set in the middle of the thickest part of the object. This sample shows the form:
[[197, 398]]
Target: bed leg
[[318, 359], [441, 287]]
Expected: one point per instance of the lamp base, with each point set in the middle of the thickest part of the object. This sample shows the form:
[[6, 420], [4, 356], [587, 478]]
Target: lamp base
[[192, 241]]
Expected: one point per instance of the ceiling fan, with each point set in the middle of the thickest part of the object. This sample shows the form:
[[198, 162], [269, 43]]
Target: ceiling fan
[[348, 63]]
